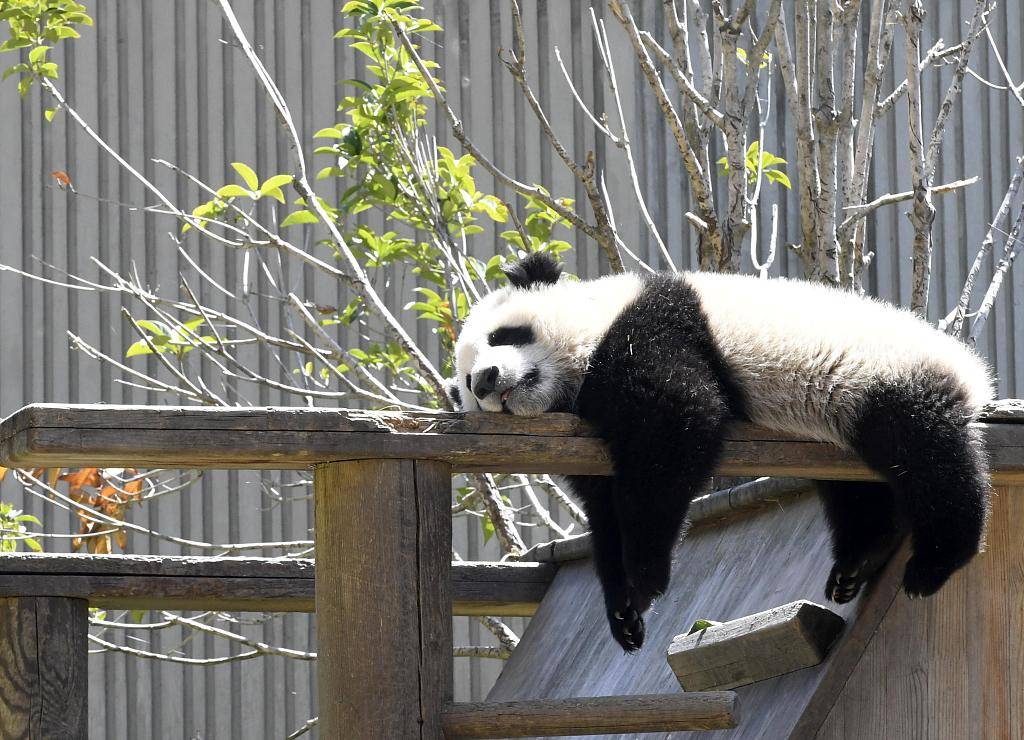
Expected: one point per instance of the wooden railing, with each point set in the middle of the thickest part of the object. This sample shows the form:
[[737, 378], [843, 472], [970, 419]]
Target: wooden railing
[[383, 588]]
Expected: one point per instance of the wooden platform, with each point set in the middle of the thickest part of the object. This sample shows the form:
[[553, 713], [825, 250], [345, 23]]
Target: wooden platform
[[950, 666]]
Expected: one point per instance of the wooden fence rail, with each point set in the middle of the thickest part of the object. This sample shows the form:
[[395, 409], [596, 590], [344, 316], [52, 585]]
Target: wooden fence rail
[[244, 583], [384, 583]]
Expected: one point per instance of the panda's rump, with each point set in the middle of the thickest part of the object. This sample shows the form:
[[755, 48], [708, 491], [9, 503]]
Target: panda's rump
[[806, 355]]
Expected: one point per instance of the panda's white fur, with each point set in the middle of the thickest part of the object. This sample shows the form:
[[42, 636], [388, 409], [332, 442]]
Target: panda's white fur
[[804, 353]]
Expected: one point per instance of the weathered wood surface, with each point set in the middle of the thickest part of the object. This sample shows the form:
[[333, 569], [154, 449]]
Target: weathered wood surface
[[763, 645], [198, 437], [950, 666], [747, 564], [44, 675], [383, 604], [710, 507], [593, 716], [244, 584]]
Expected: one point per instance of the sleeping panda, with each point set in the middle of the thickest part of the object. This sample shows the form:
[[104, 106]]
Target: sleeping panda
[[659, 364]]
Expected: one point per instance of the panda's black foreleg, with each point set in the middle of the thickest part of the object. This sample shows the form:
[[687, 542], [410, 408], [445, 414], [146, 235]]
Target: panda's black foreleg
[[625, 617], [865, 533], [918, 436], [652, 514]]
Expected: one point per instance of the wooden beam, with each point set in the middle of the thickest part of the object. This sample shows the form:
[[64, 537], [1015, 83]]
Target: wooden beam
[[244, 583], [44, 674], [600, 715], [383, 600], [191, 437], [754, 648]]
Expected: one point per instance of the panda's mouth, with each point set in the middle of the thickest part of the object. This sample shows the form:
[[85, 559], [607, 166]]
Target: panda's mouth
[[529, 379]]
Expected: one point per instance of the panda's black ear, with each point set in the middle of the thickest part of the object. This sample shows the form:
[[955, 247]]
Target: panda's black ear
[[534, 269]]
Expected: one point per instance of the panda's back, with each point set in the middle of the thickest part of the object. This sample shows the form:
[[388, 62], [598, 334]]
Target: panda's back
[[805, 354]]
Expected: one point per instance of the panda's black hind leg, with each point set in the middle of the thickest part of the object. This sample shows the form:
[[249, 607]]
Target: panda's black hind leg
[[918, 436], [865, 533], [622, 604]]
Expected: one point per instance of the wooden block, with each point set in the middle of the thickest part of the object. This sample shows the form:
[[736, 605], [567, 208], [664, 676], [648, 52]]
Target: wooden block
[[598, 715], [770, 643]]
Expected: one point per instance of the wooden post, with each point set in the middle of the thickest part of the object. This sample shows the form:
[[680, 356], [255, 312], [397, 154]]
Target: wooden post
[[383, 600], [44, 667]]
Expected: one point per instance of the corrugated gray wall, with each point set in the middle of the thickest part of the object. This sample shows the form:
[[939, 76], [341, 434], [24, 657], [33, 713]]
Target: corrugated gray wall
[[156, 79]]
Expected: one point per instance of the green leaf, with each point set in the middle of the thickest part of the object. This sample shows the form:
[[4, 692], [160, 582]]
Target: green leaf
[[299, 217], [138, 615], [777, 176], [38, 54], [702, 624], [32, 544], [275, 183], [28, 518], [49, 113], [246, 173], [234, 191], [138, 348], [154, 327], [327, 133]]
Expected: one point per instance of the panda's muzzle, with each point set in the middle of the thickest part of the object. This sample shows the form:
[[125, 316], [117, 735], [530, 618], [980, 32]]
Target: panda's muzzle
[[485, 382], [488, 381]]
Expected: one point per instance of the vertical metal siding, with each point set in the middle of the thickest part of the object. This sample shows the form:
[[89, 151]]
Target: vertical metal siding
[[157, 81]]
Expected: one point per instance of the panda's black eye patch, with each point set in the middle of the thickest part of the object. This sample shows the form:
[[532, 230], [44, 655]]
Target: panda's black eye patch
[[469, 380], [517, 336]]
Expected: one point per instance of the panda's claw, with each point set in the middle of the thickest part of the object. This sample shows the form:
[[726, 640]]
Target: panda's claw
[[844, 584], [627, 627]]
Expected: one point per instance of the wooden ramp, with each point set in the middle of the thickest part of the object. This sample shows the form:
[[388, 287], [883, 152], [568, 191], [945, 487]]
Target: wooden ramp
[[762, 558]]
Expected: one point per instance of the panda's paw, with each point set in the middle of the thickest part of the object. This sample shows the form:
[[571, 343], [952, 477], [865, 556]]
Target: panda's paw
[[649, 579], [924, 578], [844, 583], [627, 625]]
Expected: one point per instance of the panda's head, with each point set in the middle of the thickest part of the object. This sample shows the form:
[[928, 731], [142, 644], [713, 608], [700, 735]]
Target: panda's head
[[524, 348]]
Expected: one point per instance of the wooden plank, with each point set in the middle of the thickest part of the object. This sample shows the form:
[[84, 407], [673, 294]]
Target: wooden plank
[[244, 584], [710, 710], [383, 599], [44, 674], [763, 645], [710, 507], [188, 437]]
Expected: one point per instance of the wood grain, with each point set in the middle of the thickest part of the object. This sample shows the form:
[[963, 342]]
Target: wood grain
[[244, 584], [383, 600], [763, 645], [44, 674], [593, 716], [187, 437]]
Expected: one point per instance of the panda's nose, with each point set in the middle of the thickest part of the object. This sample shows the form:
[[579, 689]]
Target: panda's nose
[[484, 381]]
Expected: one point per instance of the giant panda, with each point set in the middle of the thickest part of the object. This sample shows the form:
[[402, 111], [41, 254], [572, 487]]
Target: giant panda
[[659, 364]]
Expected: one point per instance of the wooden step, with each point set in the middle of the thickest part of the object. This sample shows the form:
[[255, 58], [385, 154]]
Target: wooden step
[[712, 710], [754, 648]]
